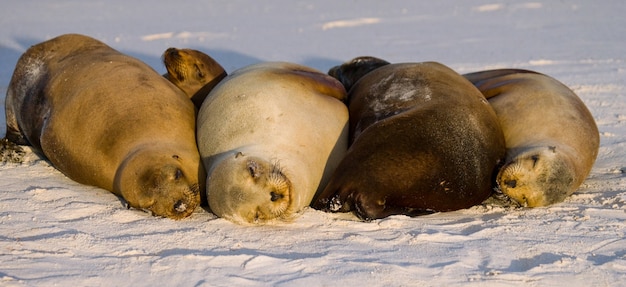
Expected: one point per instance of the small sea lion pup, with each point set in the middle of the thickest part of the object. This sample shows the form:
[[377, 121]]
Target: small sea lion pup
[[423, 140], [194, 72], [551, 137], [270, 135], [106, 119]]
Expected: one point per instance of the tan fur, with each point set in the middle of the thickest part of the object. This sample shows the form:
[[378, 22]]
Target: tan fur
[[551, 137], [109, 120], [270, 128], [194, 72]]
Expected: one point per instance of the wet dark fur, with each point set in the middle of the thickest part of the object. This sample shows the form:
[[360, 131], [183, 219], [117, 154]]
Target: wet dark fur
[[416, 155]]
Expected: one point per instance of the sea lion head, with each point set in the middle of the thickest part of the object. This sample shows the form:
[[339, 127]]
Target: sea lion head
[[194, 72], [537, 177], [350, 72], [251, 190], [159, 183]]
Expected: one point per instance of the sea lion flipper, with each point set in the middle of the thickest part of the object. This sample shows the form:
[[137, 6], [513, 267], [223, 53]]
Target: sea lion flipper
[[13, 132], [11, 152], [484, 80]]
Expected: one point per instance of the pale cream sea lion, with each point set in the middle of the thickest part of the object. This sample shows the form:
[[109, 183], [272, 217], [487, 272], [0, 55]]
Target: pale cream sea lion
[[270, 134], [551, 137], [109, 120], [423, 140], [193, 71]]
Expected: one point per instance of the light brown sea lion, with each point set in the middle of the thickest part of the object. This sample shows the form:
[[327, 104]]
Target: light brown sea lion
[[270, 134], [109, 120], [551, 137], [193, 71], [423, 139]]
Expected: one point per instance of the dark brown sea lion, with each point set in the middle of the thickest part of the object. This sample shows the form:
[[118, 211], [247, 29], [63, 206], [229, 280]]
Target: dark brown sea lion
[[423, 139]]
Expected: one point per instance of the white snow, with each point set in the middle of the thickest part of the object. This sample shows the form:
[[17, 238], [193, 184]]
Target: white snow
[[55, 232]]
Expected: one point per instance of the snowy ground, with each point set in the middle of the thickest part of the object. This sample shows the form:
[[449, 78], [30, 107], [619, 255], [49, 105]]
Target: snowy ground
[[55, 232]]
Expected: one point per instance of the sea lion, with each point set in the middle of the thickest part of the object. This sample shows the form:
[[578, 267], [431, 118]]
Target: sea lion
[[109, 120], [551, 137], [269, 135], [423, 140], [194, 72]]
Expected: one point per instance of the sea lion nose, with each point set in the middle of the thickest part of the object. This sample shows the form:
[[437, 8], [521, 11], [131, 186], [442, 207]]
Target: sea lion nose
[[510, 183], [180, 206], [276, 196]]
